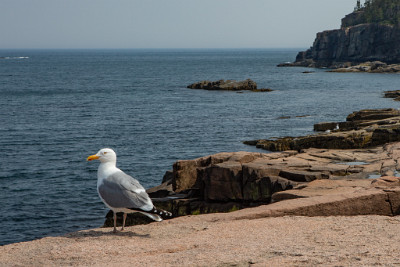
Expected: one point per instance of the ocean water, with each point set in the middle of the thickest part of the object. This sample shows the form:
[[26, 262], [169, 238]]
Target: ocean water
[[57, 107]]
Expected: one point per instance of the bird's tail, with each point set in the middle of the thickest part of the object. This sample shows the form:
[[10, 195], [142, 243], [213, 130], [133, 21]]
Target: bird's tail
[[156, 214]]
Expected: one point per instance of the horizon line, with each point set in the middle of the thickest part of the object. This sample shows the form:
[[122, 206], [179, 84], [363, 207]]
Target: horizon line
[[162, 48]]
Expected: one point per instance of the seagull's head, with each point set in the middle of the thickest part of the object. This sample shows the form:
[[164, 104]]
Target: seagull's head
[[104, 155]]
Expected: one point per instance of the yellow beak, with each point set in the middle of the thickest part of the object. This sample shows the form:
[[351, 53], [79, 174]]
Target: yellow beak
[[92, 157]]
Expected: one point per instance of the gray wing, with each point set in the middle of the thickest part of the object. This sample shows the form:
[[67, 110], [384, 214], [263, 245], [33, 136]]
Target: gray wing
[[123, 191]]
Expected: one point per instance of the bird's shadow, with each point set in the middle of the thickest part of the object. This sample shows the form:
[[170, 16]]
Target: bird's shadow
[[94, 233]]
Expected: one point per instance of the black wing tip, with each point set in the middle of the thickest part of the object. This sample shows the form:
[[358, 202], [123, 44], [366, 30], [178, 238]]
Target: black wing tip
[[162, 213]]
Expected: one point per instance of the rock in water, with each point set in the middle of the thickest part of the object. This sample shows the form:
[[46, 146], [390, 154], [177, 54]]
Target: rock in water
[[228, 85]]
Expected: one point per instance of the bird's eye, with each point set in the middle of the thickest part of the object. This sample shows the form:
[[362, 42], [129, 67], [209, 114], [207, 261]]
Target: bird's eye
[[105, 153]]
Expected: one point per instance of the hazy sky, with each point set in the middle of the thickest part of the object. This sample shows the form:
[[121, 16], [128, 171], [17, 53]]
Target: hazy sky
[[167, 23]]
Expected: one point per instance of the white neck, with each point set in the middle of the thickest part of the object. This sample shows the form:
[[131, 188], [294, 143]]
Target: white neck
[[106, 169]]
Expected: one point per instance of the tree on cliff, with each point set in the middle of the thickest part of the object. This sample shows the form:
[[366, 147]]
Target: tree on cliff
[[358, 6], [377, 11], [381, 11]]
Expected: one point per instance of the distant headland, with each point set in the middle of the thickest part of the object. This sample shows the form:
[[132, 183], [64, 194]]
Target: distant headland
[[369, 34]]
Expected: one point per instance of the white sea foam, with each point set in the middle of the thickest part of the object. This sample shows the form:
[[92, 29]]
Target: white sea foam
[[15, 57]]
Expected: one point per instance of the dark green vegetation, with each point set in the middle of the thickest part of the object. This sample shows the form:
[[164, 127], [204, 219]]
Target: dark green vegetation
[[376, 11]]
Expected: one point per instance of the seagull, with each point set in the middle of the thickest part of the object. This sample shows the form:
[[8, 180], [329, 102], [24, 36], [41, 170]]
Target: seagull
[[121, 192]]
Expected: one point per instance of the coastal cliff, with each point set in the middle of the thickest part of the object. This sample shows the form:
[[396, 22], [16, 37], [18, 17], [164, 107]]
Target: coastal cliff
[[353, 45], [363, 36]]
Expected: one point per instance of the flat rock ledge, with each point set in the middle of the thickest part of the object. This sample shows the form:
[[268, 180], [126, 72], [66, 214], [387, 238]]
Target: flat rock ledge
[[362, 129], [395, 94], [228, 85], [368, 66]]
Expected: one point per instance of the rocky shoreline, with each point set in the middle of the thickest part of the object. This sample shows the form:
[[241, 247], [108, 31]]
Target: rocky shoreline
[[235, 188], [293, 232], [359, 148], [393, 94], [362, 129], [370, 67], [345, 67]]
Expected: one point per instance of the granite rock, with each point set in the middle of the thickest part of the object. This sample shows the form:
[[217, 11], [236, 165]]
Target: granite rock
[[231, 181], [362, 129], [371, 67]]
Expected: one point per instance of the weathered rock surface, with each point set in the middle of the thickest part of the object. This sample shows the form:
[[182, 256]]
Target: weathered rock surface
[[362, 129], [293, 232], [373, 114], [371, 67], [346, 197], [228, 85], [216, 183], [355, 44], [231, 181], [393, 94], [284, 233], [335, 198], [222, 240]]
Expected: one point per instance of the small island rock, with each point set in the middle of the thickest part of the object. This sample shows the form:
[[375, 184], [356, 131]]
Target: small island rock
[[228, 85]]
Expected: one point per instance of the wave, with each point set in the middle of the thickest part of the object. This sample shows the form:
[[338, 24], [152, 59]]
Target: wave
[[14, 57]]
